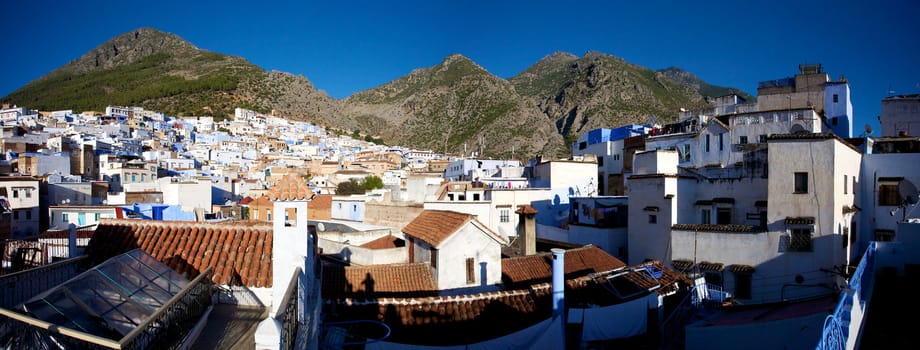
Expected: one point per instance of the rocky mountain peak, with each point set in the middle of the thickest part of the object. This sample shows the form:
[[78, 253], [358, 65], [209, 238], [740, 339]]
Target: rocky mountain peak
[[128, 48]]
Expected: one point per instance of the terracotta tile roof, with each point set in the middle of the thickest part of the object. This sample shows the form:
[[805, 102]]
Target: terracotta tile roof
[[452, 320], [716, 227], [669, 279], [375, 281], [261, 201], [290, 188], [320, 201], [239, 253], [526, 209], [539, 267], [246, 200], [385, 242], [434, 226]]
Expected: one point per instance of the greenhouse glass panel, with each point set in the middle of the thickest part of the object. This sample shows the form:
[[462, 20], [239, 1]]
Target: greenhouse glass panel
[[111, 299]]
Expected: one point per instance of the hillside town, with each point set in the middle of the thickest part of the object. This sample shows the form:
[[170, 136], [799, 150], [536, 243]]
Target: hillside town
[[770, 223]]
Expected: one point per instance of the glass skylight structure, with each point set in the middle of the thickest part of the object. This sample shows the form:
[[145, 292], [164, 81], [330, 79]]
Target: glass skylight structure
[[111, 299]]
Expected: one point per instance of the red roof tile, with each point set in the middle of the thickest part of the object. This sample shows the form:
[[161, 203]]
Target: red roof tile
[[453, 320], [291, 187], [239, 254], [374, 281], [246, 200], [539, 267], [434, 226], [385, 242]]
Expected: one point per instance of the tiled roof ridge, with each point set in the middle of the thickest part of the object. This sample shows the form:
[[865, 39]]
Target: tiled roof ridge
[[494, 295], [290, 187], [546, 254], [177, 224]]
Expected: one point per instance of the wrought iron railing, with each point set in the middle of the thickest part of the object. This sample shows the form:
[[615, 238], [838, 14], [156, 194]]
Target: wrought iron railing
[[837, 325], [18, 287], [53, 245], [168, 326], [288, 312]]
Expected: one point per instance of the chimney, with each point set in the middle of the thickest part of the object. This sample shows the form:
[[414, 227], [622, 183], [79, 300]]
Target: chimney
[[558, 281], [527, 229]]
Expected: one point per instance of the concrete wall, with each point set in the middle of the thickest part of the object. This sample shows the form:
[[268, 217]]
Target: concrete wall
[[469, 242], [611, 240], [900, 114], [390, 215], [355, 255], [872, 216], [348, 209]]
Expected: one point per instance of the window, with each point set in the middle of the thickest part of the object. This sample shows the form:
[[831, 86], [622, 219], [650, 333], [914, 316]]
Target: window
[[582, 145], [28, 214], [800, 240], [476, 196], [887, 194], [845, 184], [721, 140], [15, 193], [762, 138], [470, 271], [15, 214], [434, 258], [65, 218], [354, 208], [743, 140], [268, 214], [600, 160], [834, 121], [503, 215], [653, 219], [836, 98], [705, 216], [742, 285], [707, 142], [96, 217], [854, 185], [723, 216], [801, 183]]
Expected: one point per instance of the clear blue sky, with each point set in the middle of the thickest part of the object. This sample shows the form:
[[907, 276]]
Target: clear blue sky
[[349, 46]]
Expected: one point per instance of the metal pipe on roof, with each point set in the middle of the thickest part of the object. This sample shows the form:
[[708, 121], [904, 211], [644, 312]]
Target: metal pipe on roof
[[558, 281]]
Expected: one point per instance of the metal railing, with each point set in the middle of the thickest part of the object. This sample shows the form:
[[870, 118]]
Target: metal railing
[[698, 299], [168, 326], [289, 310], [837, 325], [16, 288], [53, 245], [164, 329]]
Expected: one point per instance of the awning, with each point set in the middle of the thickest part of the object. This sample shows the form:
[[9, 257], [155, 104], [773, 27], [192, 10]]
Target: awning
[[710, 266], [741, 268], [804, 220], [682, 265]]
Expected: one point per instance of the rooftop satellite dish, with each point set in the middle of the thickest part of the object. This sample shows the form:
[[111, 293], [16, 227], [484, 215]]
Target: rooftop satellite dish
[[320, 227], [868, 130]]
